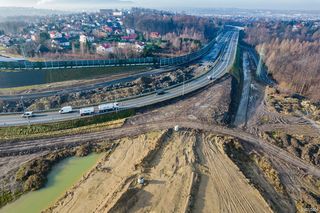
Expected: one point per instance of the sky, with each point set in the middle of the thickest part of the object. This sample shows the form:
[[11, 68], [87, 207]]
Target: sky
[[97, 4]]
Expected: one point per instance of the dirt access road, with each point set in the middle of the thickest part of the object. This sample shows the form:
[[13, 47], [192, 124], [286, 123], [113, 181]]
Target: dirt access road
[[176, 180], [168, 160], [196, 112], [27, 147]]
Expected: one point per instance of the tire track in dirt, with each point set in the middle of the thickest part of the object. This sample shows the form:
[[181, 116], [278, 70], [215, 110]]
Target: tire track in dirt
[[169, 174], [113, 176], [27, 147], [224, 184]]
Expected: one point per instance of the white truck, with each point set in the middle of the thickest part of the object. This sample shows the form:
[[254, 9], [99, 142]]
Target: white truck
[[87, 111], [108, 107], [66, 109]]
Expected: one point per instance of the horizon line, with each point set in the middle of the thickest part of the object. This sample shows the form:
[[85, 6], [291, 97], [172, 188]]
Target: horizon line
[[158, 8]]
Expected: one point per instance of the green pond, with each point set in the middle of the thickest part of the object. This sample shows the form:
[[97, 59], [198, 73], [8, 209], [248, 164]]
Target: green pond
[[60, 179]]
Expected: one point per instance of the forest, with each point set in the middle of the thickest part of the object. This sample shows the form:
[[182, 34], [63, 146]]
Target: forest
[[198, 28], [260, 32], [292, 56], [295, 65]]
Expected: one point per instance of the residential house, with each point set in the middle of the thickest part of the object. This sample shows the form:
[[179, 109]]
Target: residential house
[[5, 40], [117, 13], [60, 43], [35, 37], [105, 49], [130, 31], [83, 39], [139, 46], [130, 37], [55, 34], [154, 35], [106, 28]]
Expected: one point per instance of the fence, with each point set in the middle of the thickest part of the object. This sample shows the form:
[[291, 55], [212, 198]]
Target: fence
[[23, 64]]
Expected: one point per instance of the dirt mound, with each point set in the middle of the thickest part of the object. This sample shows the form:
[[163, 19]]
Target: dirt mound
[[304, 147], [184, 171]]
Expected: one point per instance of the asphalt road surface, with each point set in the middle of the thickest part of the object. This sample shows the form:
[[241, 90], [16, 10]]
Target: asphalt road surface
[[220, 68], [86, 87], [129, 78]]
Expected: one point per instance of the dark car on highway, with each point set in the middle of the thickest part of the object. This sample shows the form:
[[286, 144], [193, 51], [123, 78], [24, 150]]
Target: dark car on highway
[[160, 92]]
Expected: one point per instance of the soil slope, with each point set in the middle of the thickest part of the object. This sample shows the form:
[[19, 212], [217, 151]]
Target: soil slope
[[184, 171]]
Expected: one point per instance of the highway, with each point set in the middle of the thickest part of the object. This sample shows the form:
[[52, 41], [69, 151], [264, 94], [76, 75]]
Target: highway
[[85, 87], [221, 67], [129, 78]]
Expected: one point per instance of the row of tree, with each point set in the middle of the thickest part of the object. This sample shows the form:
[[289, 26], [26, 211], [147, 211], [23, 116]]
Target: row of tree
[[151, 21], [261, 32], [291, 52], [295, 65], [12, 27]]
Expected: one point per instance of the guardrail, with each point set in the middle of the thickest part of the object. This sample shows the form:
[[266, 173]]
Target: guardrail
[[214, 64], [26, 65], [138, 95]]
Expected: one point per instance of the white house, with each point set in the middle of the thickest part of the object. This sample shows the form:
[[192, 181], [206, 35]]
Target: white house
[[103, 50], [130, 31], [83, 39], [138, 47], [117, 13]]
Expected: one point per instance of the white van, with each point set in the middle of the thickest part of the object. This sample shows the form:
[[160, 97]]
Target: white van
[[66, 109], [27, 114]]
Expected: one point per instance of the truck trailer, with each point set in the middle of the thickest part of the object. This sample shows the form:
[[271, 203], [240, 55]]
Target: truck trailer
[[108, 107], [87, 111]]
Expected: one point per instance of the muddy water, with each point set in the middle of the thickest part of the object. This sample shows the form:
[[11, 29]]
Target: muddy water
[[61, 178]]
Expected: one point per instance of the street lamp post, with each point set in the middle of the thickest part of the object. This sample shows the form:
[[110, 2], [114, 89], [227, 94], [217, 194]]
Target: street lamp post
[[183, 83], [24, 109]]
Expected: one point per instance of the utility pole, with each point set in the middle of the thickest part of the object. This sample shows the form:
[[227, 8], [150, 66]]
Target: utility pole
[[22, 104], [115, 101], [24, 57], [24, 109], [260, 64]]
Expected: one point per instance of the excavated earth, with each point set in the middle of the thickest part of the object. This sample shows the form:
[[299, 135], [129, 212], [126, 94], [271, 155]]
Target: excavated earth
[[184, 171], [204, 167]]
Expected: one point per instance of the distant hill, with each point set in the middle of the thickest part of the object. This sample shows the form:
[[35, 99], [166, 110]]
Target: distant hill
[[26, 11]]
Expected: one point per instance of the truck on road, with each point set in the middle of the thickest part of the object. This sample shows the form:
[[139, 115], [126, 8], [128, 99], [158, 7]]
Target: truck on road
[[87, 111], [108, 107], [66, 109]]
